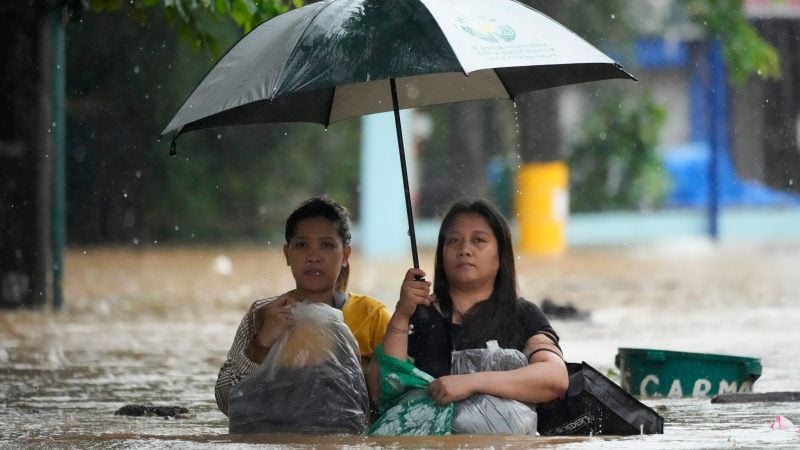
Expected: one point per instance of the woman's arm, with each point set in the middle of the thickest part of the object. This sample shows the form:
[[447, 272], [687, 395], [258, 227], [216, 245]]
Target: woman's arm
[[414, 291], [260, 327], [544, 379], [237, 365]]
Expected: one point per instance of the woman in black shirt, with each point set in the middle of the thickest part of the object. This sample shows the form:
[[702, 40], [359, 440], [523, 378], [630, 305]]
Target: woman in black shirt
[[474, 300]]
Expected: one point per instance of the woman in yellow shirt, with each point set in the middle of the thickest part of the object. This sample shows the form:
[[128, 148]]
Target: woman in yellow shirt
[[317, 250]]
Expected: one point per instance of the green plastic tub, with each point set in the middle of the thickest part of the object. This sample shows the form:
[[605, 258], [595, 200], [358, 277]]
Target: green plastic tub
[[652, 373]]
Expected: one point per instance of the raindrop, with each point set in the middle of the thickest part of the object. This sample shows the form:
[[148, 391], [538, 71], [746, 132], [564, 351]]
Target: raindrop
[[791, 181], [84, 252], [129, 220], [135, 241], [136, 69], [219, 136], [177, 228], [124, 194], [613, 16], [155, 241], [222, 265], [138, 174]]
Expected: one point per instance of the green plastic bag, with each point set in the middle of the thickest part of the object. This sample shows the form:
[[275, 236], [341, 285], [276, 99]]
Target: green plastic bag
[[405, 408]]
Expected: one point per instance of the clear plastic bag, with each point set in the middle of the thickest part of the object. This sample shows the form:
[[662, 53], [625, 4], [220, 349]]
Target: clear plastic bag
[[311, 380], [487, 414]]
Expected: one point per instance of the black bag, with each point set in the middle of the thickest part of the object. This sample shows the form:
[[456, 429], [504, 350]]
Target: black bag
[[595, 405]]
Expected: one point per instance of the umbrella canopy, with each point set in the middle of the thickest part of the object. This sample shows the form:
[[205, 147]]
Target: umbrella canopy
[[338, 59]]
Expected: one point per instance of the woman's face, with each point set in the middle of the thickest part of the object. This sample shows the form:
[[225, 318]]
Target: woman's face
[[470, 255], [316, 254]]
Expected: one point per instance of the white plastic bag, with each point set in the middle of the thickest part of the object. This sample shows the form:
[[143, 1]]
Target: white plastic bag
[[487, 414], [311, 380]]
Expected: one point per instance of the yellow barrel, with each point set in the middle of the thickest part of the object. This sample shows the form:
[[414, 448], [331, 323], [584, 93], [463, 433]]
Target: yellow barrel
[[542, 204]]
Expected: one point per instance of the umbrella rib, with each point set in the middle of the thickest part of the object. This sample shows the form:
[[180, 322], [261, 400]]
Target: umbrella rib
[[330, 108], [503, 83], [446, 41]]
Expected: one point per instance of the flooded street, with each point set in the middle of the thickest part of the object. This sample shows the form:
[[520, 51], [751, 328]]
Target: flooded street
[[154, 325]]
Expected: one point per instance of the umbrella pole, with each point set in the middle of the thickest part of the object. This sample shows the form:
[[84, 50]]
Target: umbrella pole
[[404, 170]]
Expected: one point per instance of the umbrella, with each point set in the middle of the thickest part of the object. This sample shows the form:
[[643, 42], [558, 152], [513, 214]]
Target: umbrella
[[339, 59]]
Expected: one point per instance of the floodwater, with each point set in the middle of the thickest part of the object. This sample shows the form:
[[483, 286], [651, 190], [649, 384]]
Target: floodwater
[[154, 325]]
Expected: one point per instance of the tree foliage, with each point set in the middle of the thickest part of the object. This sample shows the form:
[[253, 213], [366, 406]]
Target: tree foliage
[[614, 23], [744, 51], [191, 17], [126, 79], [614, 161]]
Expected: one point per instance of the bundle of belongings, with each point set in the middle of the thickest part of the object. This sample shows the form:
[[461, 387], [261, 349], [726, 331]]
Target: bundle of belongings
[[593, 405], [407, 409], [487, 414], [311, 380]]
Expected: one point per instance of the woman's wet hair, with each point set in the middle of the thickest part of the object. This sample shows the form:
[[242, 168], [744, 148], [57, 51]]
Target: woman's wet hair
[[337, 214], [500, 311]]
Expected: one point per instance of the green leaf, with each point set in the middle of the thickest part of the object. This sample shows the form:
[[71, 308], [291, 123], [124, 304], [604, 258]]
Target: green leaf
[[222, 6], [246, 5], [744, 51]]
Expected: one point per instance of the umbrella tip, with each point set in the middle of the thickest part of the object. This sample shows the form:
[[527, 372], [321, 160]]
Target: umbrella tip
[[172, 148]]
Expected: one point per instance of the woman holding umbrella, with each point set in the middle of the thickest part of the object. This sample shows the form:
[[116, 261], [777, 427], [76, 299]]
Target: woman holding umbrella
[[474, 301], [317, 250]]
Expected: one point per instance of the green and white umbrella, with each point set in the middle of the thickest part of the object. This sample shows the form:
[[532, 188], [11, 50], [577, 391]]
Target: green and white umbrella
[[339, 59]]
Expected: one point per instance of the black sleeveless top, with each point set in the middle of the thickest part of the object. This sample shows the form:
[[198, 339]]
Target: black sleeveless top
[[433, 336]]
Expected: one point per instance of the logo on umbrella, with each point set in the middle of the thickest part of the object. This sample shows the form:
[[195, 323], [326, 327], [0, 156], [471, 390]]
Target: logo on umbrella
[[487, 29]]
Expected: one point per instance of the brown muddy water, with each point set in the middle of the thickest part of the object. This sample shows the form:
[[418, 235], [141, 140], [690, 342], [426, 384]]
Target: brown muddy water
[[154, 325]]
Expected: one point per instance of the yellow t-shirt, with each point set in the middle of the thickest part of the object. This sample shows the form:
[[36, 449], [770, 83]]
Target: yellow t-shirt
[[368, 319]]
